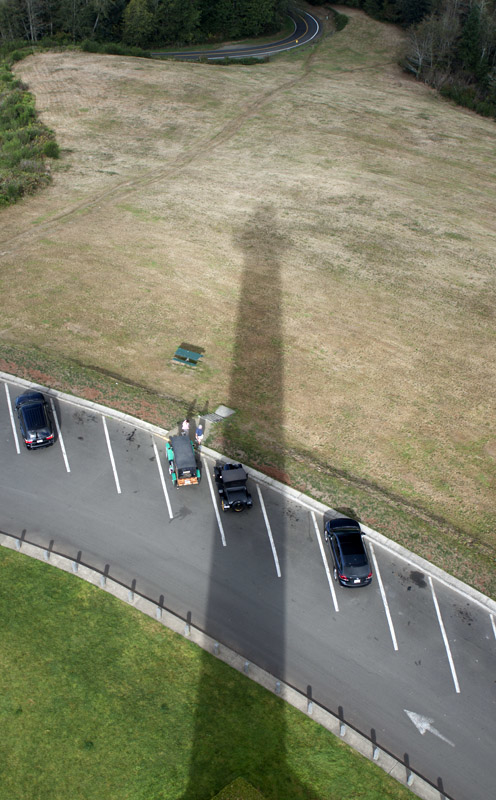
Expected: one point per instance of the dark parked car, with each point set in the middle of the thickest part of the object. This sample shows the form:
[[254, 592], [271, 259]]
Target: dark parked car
[[34, 420], [351, 562], [231, 482]]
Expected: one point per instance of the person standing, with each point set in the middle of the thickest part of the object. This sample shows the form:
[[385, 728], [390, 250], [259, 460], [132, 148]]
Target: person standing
[[199, 435], [185, 427]]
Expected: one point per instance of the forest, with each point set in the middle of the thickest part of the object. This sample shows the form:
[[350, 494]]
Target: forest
[[451, 45], [139, 23]]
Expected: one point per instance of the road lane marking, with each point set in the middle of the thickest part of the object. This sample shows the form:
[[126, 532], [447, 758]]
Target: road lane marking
[[394, 554], [326, 565], [162, 480], [117, 484], [424, 724], [59, 435], [493, 623], [445, 638], [12, 420], [215, 504], [384, 598], [269, 532]]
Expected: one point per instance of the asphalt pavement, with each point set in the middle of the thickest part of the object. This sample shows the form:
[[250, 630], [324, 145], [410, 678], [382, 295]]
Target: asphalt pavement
[[408, 661]]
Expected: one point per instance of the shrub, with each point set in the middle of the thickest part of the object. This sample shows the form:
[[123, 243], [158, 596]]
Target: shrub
[[12, 190], [51, 149], [32, 165], [114, 49], [24, 141], [340, 20], [467, 96]]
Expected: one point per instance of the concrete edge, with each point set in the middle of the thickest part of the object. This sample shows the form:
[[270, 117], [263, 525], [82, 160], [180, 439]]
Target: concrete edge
[[400, 772], [487, 603], [89, 404]]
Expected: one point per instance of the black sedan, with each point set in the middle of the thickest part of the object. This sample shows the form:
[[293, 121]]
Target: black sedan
[[351, 562], [34, 420]]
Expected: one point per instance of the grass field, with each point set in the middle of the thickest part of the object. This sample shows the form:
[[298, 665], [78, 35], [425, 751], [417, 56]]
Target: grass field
[[98, 701], [375, 199]]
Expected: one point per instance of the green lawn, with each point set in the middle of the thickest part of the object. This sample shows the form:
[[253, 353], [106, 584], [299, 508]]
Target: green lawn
[[99, 701]]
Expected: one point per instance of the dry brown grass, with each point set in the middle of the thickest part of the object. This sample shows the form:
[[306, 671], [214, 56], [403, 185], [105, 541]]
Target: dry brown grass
[[383, 198]]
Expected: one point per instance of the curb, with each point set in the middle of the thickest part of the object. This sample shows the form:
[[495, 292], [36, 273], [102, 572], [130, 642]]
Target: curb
[[89, 404], [293, 494], [487, 603], [370, 750]]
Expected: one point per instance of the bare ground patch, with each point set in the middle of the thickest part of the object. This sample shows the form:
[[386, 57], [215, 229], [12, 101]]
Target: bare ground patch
[[383, 196]]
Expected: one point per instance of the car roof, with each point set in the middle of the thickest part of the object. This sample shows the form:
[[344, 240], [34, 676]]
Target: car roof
[[183, 452], [234, 475]]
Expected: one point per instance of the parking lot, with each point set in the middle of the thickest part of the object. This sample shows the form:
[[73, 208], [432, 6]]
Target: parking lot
[[261, 582]]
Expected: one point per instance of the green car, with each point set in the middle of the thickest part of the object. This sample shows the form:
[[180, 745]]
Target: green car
[[182, 461]]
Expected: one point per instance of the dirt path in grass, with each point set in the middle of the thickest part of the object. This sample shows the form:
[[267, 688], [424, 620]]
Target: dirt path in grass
[[183, 160]]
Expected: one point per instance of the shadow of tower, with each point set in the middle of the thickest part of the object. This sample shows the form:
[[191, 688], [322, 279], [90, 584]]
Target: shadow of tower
[[249, 617]]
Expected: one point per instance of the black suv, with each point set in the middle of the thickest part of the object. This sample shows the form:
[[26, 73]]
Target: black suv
[[231, 484], [351, 562], [34, 420]]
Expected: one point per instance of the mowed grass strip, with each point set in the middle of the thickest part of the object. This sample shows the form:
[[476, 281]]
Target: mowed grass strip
[[98, 700]]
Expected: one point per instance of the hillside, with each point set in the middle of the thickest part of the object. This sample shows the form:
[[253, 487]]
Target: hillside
[[368, 199]]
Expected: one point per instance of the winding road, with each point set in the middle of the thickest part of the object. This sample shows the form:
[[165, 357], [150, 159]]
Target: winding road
[[306, 29]]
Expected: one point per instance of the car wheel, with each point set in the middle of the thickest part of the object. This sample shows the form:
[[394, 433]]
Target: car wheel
[[335, 574], [326, 536]]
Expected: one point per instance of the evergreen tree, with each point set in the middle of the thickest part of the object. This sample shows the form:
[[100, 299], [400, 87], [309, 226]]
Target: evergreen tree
[[469, 49], [138, 23], [176, 21], [256, 16], [411, 12]]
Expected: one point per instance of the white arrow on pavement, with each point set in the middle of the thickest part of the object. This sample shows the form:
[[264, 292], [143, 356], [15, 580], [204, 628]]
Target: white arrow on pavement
[[424, 724]]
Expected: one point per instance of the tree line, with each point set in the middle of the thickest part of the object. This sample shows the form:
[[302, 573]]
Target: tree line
[[451, 45], [139, 23]]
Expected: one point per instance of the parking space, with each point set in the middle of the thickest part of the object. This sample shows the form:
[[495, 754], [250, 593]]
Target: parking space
[[96, 459], [469, 632], [261, 580], [444, 638]]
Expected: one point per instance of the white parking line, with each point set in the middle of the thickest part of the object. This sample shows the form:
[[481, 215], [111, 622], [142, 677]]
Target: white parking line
[[14, 431], [269, 531], [493, 623], [215, 503], [59, 435], [384, 598], [117, 484], [445, 638], [413, 563], [161, 473], [326, 565]]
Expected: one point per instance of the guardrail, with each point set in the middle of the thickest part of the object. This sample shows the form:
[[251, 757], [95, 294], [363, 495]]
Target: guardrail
[[337, 724]]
